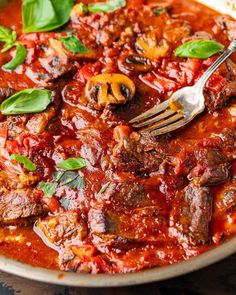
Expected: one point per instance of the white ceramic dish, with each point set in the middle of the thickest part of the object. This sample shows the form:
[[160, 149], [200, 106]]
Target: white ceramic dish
[[155, 274]]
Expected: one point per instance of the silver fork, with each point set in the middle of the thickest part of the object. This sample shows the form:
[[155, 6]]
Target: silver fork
[[182, 107]]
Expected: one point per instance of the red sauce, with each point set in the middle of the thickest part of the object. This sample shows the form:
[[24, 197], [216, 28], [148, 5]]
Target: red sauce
[[151, 234]]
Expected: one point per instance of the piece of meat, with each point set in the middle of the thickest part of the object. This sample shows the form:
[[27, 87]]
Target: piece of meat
[[63, 229], [212, 167], [119, 230], [125, 195], [228, 137], [191, 215], [84, 259], [227, 24], [226, 199], [6, 92], [19, 206], [138, 153], [216, 100]]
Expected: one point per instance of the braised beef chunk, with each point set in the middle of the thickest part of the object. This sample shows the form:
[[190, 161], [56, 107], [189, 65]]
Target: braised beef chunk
[[138, 153], [212, 167], [63, 229], [226, 198], [18, 206], [125, 195], [228, 25], [119, 230], [192, 215]]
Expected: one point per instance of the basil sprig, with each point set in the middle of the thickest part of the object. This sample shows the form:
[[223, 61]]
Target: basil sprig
[[28, 164], [48, 188], [108, 6], [8, 37], [30, 100], [45, 15], [199, 49], [70, 179], [18, 59], [72, 164], [73, 44]]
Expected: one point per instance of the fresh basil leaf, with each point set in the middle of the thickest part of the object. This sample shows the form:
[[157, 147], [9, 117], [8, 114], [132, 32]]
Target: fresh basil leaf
[[28, 164], [73, 44], [48, 188], [19, 58], [68, 177], [108, 6], [103, 188], [8, 37], [199, 49], [72, 164], [27, 101], [45, 15], [77, 183], [57, 175], [65, 203]]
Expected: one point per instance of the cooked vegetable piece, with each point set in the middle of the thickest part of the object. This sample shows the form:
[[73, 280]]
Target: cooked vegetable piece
[[27, 101], [18, 59], [108, 6], [134, 64], [199, 49], [28, 164], [73, 44], [105, 89], [72, 164], [45, 15], [103, 188], [48, 188], [152, 48]]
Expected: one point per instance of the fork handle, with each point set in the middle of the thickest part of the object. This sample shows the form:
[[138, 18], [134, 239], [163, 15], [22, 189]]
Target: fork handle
[[231, 49]]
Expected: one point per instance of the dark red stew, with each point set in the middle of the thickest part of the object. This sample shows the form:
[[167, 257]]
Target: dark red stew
[[83, 191]]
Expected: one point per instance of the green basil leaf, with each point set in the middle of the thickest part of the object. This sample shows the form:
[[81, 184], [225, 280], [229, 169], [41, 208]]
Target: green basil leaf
[[68, 177], [45, 15], [27, 101], [108, 6], [103, 188], [65, 203], [77, 183], [48, 188], [19, 58], [199, 49], [8, 37], [28, 164], [73, 44], [72, 164]]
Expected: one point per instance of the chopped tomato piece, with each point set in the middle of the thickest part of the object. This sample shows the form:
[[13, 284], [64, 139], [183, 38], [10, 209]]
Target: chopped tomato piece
[[88, 71], [3, 137]]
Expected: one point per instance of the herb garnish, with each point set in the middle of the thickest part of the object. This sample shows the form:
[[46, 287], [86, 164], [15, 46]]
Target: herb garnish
[[72, 164], [18, 59], [108, 6], [65, 203], [103, 188], [28, 164], [8, 37], [48, 188], [27, 101], [73, 44], [45, 15], [199, 49]]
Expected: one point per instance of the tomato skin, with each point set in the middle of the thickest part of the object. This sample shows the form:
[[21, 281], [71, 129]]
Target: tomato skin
[[121, 131], [88, 71], [13, 147], [53, 204]]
